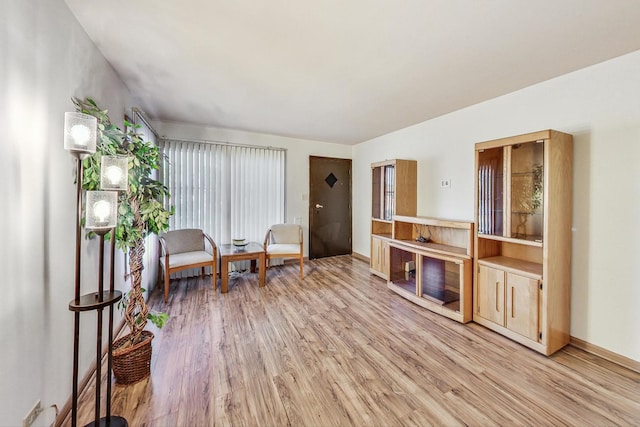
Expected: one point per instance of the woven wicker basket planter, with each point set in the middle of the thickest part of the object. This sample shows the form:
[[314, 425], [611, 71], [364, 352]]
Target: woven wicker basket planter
[[132, 364]]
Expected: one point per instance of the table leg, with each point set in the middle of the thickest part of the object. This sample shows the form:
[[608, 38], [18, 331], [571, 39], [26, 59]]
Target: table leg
[[224, 275], [252, 266], [262, 269]]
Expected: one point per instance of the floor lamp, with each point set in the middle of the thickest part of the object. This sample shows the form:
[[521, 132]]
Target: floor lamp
[[80, 136]]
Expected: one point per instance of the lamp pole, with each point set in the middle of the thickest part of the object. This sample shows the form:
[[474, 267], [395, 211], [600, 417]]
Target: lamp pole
[[80, 139]]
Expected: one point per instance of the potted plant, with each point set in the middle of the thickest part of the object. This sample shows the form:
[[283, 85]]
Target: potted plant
[[141, 211]]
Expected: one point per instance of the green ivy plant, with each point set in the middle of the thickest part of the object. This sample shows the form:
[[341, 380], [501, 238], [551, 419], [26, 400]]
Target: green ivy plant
[[141, 208]]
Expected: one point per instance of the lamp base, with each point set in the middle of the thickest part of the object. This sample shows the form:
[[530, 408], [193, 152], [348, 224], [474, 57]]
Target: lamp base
[[113, 421]]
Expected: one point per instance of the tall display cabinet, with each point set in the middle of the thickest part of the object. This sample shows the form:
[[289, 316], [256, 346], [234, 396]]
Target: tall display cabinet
[[393, 192], [523, 213]]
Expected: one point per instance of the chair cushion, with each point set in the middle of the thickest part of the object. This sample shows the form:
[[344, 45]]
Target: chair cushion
[[275, 249], [187, 258], [187, 240], [285, 233]]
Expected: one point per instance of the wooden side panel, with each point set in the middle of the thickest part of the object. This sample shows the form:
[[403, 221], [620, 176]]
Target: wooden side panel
[[466, 291], [557, 247], [406, 187]]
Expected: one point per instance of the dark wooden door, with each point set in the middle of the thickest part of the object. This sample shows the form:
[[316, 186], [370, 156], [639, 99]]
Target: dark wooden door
[[329, 207]]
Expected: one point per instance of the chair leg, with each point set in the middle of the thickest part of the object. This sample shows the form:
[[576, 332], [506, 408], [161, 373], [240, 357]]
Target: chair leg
[[214, 275], [166, 284], [301, 268]]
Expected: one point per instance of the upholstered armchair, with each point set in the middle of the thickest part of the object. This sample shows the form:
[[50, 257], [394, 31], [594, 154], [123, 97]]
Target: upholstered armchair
[[185, 249], [284, 241]]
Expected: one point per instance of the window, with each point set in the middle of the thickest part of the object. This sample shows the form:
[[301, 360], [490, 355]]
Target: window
[[229, 191]]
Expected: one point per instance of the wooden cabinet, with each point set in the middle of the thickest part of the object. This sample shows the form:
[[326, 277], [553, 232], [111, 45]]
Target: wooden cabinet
[[523, 211], [393, 192], [430, 264], [379, 254], [509, 300]]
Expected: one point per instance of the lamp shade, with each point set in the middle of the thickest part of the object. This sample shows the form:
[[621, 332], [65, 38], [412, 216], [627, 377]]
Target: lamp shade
[[114, 173], [101, 210], [80, 132]]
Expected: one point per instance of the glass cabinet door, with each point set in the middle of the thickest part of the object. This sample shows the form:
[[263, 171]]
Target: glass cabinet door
[[389, 192], [526, 193], [490, 191], [383, 180]]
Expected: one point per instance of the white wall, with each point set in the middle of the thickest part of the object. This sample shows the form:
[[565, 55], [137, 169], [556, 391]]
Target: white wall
[[298, 152], [600, 106], [45, 59]]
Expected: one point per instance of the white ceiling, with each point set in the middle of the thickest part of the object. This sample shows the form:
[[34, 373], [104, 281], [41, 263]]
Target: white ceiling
[[344, 71]]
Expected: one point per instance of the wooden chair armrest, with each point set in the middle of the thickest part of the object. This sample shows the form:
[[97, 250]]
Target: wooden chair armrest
[[214, 247], [266, 239], [163, 245]]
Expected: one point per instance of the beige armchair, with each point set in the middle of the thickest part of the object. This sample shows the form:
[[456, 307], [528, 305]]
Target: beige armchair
[[185, 249], [284, 241]]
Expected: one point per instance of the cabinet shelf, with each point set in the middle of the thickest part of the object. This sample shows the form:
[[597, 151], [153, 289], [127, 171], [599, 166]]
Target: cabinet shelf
[[436, 247], [383, 221], [530, 241], [513, 265], [382, 235]]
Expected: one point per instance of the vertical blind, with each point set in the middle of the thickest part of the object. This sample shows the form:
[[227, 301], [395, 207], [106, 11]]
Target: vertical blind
[[229, 191]]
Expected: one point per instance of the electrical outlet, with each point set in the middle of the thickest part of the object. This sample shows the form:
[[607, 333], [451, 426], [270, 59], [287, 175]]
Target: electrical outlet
[[32, 415], [445, 183]]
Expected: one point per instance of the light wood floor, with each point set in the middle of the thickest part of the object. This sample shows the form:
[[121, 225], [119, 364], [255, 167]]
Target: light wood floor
[[339, 349]]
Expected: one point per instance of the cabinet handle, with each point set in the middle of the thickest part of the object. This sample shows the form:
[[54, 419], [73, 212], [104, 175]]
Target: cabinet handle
[[513, 305], [497, 284]]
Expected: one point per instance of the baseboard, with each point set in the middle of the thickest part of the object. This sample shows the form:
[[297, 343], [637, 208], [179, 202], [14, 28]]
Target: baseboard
[[606, 354], [65, 412], [360, 257]]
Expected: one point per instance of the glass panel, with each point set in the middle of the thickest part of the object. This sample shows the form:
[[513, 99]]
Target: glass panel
[[440, 280], [490, 191], [376, 191], [526, 191], [402, 269], [389, 192]]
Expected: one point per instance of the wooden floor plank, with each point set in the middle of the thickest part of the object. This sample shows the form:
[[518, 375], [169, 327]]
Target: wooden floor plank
[[339, 349]]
